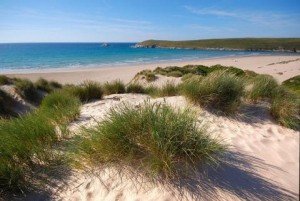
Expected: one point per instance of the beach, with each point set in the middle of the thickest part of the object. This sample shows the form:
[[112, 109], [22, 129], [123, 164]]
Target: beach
[[281, 67], [261, 162]]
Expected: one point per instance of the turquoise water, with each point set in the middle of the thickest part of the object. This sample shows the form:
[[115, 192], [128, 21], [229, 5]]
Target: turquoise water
[[32, 56]]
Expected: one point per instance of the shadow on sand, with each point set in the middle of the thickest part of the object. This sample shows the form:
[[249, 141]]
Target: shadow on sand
[[237, 175]]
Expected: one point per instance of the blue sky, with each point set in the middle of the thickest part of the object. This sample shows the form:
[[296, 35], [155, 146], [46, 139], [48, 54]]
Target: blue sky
[[137, 20]]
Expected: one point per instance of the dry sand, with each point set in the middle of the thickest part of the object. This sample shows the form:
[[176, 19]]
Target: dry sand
[[281, 67], [263, 163]]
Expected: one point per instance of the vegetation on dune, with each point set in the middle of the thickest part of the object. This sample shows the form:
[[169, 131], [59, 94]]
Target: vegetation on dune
[[85, 92], [47, 86], [115, 87], [6, 104], [263, 86], [153, 138], [285, 108], [27, 90], [220, 90], [5, 80], [26, 142], [168, 89], [135, 88], [293, 84], [175, 71], [148, 75], [290, 44]]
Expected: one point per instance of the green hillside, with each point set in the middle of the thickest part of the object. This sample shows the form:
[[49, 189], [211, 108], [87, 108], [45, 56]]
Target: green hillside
[[284, 44]]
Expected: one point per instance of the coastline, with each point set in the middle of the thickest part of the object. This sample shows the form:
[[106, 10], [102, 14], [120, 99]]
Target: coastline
[[257, 63]]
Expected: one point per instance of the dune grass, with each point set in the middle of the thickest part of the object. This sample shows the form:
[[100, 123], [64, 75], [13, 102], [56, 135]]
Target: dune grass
[[27, 90], [135, 88], [5, 80], [47, 86], [219, 90], [115, 87], [263, 86], [293, 84], [153, 138], [285, 108], [86, 92], [168, 89], [6, 104], [26, 142]]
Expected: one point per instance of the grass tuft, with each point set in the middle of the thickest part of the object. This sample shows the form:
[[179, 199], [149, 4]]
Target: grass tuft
[[85, 92], [263, 86], [27, 90], [26, 142], [47, 86], [169, 89], [293, 84], [115, 87], [220, 90], [154, 138], [5, 80], [285, 108], [135, 88]]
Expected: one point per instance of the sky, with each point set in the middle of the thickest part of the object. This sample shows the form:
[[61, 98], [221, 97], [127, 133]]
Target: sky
[[138, 20]]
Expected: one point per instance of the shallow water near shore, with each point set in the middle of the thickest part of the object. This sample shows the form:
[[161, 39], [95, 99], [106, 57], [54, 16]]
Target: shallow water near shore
[[34, 56]]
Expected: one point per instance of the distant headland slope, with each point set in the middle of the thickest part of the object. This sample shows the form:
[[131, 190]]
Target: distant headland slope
[[251, 44]]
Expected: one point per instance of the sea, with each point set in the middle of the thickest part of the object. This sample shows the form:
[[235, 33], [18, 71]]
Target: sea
[[37, 56]]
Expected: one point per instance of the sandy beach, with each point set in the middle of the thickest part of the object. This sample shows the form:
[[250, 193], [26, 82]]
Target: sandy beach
[[281, 67]]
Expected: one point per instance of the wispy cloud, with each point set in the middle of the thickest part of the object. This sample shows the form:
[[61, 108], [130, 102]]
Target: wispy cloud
[[209, 11], [265, 18]]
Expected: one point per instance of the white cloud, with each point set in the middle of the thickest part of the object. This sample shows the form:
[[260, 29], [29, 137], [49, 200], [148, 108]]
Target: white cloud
[[265, 18]]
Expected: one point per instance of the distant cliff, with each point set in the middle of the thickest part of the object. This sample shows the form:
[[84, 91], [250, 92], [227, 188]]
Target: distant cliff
[[250, 44]]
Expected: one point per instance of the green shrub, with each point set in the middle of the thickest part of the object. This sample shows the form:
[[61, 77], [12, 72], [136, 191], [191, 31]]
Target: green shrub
[[285, 108], [87, 91], [153, 138], [46, 86], [27, 90], [220, 90], [115, 87], [293, 84], [135, 88], [263, 86], [5, 80]]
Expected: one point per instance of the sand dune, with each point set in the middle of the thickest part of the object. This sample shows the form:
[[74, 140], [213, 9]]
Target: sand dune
[[262, 164]]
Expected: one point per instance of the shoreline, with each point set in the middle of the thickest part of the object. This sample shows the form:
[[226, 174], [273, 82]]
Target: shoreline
[[124, 65], [257, 63]]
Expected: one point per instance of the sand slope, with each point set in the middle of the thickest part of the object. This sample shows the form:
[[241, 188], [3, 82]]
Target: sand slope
[[263, 162]]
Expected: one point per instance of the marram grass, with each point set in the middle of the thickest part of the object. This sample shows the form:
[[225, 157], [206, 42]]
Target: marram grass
[[154, 138], [285, 108], [263, 87], [219, 90], [115, 87], [26, 141]]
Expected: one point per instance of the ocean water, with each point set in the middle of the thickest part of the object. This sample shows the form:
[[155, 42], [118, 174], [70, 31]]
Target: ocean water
[[33, 56]]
